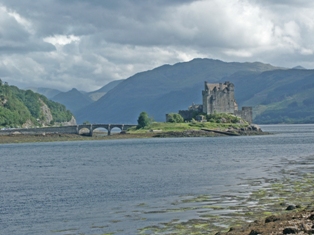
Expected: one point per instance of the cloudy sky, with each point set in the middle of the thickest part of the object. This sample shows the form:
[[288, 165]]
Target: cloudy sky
[[87, 43]]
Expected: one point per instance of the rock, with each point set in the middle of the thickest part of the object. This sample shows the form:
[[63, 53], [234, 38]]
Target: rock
[[271, 218], [290, 208], [255, 127], [72, 122], [45, 110], [28, 124], [254, 232], [311, 217], [290, 231]]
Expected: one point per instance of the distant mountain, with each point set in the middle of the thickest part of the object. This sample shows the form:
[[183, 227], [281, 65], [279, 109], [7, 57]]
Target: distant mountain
[[48, 92], [280, 96], [298, 67], [96, 95], [165, 89], [73, 99]]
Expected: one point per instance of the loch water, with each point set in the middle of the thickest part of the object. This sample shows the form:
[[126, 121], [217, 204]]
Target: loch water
[[120, 186]]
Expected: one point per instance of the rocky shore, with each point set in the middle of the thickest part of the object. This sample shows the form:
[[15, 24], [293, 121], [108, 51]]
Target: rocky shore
[[301, 222]]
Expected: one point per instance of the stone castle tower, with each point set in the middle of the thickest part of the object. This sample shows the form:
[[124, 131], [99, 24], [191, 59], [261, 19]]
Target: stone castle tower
[[219, 98]]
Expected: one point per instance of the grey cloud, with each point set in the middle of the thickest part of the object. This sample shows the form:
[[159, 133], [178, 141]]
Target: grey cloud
[[118, 38]]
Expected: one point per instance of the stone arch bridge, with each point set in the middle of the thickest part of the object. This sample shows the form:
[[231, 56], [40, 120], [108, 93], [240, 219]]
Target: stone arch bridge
[[108, 127], [66, 129]]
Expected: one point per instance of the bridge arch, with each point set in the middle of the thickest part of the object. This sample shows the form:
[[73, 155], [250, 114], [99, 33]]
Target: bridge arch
[[83, 131], [100, 130], [116, 129]]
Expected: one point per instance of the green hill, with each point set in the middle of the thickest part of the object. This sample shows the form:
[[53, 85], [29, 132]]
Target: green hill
[[25, 108]]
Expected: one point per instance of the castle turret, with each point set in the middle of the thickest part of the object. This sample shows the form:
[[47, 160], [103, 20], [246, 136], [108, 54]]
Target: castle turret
[[219, 98]]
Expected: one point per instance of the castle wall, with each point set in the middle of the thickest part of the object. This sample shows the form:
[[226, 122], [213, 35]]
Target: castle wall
[[246, 114], [186, 114]]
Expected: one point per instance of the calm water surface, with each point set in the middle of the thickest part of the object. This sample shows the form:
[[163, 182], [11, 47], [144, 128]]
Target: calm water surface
[[119, 186]]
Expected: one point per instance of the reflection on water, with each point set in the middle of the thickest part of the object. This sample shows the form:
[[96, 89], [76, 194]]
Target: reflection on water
[[121, 186]]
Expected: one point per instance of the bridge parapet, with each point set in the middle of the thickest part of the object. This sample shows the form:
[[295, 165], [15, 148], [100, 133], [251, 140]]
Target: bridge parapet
[[65, 129], [43, 130]]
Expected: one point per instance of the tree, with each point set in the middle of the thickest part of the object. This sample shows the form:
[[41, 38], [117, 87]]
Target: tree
[[143, 120], [175, 118]]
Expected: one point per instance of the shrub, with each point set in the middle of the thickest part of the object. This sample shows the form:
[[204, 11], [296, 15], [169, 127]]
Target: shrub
[[143, 120], [222, 118], [175, 118]]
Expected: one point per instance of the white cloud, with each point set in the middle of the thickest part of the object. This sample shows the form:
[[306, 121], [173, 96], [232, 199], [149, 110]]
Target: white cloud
[[62, 39]]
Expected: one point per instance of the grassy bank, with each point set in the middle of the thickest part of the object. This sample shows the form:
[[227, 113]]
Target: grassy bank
[[154, 130], [166, 126]]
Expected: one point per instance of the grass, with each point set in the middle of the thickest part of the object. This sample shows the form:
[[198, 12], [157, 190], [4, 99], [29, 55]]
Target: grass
[[147, 132], [166, 126]]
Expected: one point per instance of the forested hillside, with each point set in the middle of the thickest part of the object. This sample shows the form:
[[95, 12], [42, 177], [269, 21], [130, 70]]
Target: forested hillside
[[19, 107]]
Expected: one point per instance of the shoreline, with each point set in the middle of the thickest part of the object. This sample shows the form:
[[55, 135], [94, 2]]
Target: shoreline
[[56, 137], [275, 207]]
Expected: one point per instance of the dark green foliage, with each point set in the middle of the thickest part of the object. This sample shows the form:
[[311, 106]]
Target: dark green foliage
[[175, 118], [17, 106], [31, 101], [143, 120], [222, 118]]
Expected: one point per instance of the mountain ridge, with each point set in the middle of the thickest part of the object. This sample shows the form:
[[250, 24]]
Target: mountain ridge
[[146, 91], [72, 99]]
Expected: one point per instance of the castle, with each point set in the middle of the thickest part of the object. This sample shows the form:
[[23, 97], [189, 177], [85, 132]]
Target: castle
[[218, 98]]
